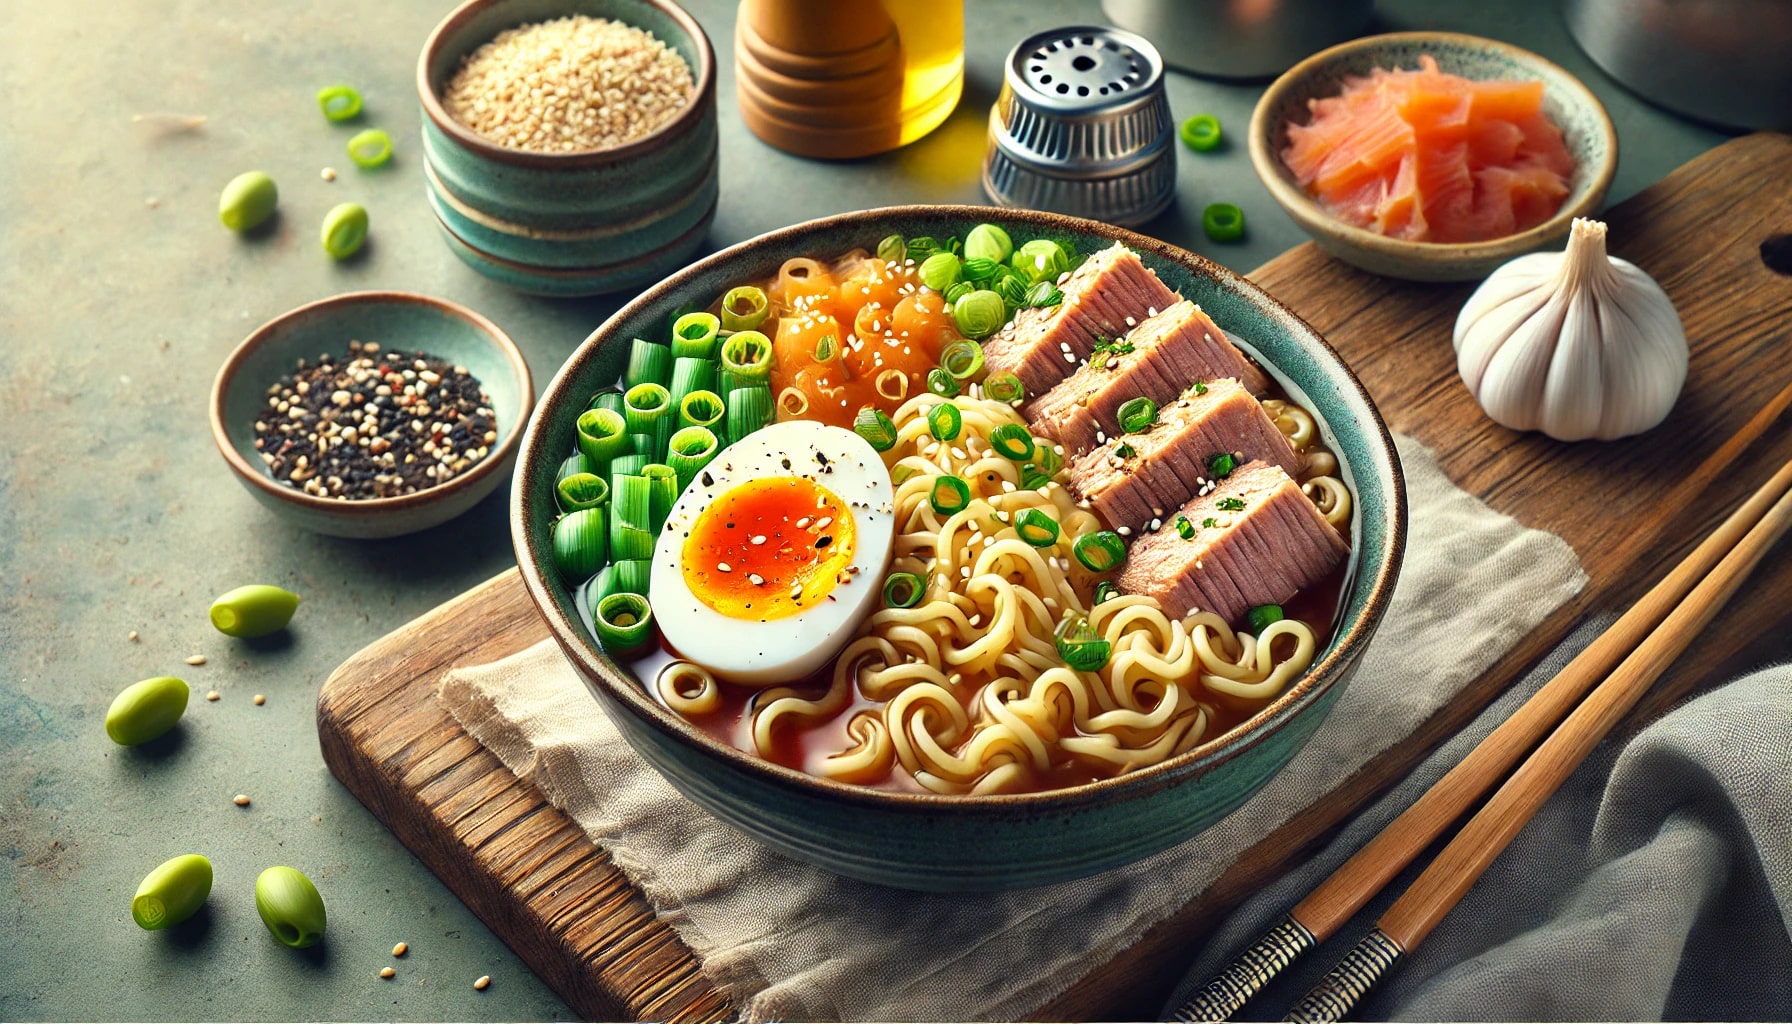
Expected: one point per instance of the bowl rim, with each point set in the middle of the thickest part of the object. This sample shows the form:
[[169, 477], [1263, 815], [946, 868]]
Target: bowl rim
[[621, 689], [703, 92], [1315, 219], [509, 439]]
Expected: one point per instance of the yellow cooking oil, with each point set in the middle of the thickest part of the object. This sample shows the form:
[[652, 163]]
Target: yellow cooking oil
[[932, 34]]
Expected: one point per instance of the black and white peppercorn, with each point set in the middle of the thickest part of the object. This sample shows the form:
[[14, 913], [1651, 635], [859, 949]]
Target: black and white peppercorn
[[373, 424]]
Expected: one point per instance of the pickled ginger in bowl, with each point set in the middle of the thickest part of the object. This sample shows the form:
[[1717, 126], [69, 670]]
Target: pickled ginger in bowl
[[950, 548]]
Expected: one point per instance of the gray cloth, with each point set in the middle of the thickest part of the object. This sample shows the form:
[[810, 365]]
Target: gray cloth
[[1655, 884]]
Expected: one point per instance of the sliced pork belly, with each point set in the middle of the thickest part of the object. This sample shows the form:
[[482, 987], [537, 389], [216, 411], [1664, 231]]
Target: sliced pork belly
[[1162, 357], [1264, 552], [1106, 297], [1133, 479]]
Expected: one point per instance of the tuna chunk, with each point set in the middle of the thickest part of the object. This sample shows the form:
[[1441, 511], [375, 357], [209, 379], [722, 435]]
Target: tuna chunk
[[1106, 296], [1159, 360], [1257, 540], [1135, 478]]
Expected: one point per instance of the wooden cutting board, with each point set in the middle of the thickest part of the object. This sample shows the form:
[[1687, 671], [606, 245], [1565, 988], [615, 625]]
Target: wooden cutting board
[[556, 898]]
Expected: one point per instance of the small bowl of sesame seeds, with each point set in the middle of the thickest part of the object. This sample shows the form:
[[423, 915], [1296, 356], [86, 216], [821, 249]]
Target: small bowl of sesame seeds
[[570, 145], [372, 414]]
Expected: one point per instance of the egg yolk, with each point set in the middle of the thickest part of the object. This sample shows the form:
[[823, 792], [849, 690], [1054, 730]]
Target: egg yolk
[[768, 548]]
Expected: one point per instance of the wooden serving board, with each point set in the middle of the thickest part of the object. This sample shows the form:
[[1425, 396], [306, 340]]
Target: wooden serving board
[[555, 897]]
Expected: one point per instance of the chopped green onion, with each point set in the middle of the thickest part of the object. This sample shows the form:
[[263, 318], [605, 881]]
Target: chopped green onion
[[631, 517], [603, 435], [941, 383], [647, 364], [1200, 387], [662, 492], [643, 404], [950, 495], [941, 271], [632, 576], [1105, 591], [876, 427], [627, 465], [1230, 504], [1012, 442], [979, 314], [253, 610], [944, 421], [1223, 222], [579, 543], [1079, 645], [1201, 133], [919, 249], [1125, 451], [901, 474], [624, 622], [892, 249], [370, 148], [1185, 528], [963, 359], [748, 356], [1220, 466], [289, 904], [1047, 460], [1036, 528], [689, 451], [701, 409], [1044, 294], [1002, 386], [988, 242], [744, 308], [1209, 523], [610, 399], [694, 335], [146, 709], [959, 291], [344, 230], [749, 409], [903, 590], [642, 444], [339, 103], [1013, 291], [1100, 550], [827, 348], [1137, 414], [173, 892], [1032, 479], [691, 373], [1262, 616], [581, 491], [1040, 262]]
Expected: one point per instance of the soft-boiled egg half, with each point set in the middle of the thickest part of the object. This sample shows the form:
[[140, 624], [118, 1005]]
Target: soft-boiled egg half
[[775, 553]]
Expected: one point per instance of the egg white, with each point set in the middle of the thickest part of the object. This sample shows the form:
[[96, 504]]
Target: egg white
[[784, 650]]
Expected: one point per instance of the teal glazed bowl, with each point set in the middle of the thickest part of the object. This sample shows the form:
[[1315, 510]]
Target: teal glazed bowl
[[1586, 130], [934, 842], [581, 222], [400, 320]]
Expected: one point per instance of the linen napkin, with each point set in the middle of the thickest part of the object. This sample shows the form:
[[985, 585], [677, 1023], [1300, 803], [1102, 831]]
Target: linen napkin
[[789, 941]]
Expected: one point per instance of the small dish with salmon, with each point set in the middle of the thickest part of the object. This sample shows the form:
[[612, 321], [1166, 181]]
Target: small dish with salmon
[[1432, 156]]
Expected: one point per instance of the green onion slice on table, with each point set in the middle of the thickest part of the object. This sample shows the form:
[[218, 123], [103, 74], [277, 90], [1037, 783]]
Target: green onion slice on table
[[339, 103], [1201, 133], [1223, 222], [370, 148]]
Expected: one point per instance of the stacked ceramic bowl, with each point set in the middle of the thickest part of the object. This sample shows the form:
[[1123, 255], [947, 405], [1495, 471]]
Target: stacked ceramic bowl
[[580, 222]]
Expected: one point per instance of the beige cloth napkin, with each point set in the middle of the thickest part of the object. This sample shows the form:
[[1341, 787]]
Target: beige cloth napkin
[[788, 941]]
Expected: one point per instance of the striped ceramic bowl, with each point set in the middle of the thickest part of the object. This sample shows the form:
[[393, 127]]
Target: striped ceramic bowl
[[577, 223], [978, 842]]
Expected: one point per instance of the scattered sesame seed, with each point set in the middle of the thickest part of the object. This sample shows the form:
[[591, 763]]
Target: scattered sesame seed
[[261, 698], [328, 174], [241, 800], [1124, 531], [387, 972], [401, 949], [195, 659], [724, 567], [484, 981], [758, 538], [756, 579], [132, 637], [212, 695]]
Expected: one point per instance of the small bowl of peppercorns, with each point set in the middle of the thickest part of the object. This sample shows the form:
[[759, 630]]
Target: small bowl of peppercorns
[[372, 414]]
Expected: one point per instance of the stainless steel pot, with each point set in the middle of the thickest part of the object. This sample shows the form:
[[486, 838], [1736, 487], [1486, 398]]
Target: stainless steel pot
[[1240, 38], [1724, 61]]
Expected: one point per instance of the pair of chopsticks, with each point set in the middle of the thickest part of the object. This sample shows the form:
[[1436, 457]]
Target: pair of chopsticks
[[1587, 698]]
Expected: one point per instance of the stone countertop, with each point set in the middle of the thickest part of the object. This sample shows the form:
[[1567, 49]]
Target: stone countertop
[[119, 296]]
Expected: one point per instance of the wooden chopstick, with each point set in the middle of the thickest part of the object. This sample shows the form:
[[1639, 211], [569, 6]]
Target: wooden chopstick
[[1357, 880], [1448, 878]]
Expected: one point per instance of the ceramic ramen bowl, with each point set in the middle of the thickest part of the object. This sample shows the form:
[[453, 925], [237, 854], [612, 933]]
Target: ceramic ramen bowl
[[977, 842]]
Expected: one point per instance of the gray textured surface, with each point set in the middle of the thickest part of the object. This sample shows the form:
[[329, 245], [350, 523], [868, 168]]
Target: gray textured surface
[[120, 294]]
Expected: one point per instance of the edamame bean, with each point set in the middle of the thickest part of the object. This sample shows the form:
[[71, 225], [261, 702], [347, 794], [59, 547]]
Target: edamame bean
[[248, 200], [290, 906], [255, 610], [345, 228], [144, 710], [172, 893]]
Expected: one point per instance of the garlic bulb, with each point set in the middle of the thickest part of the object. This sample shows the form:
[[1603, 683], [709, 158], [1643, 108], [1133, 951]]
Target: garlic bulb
[[1576, 344]]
